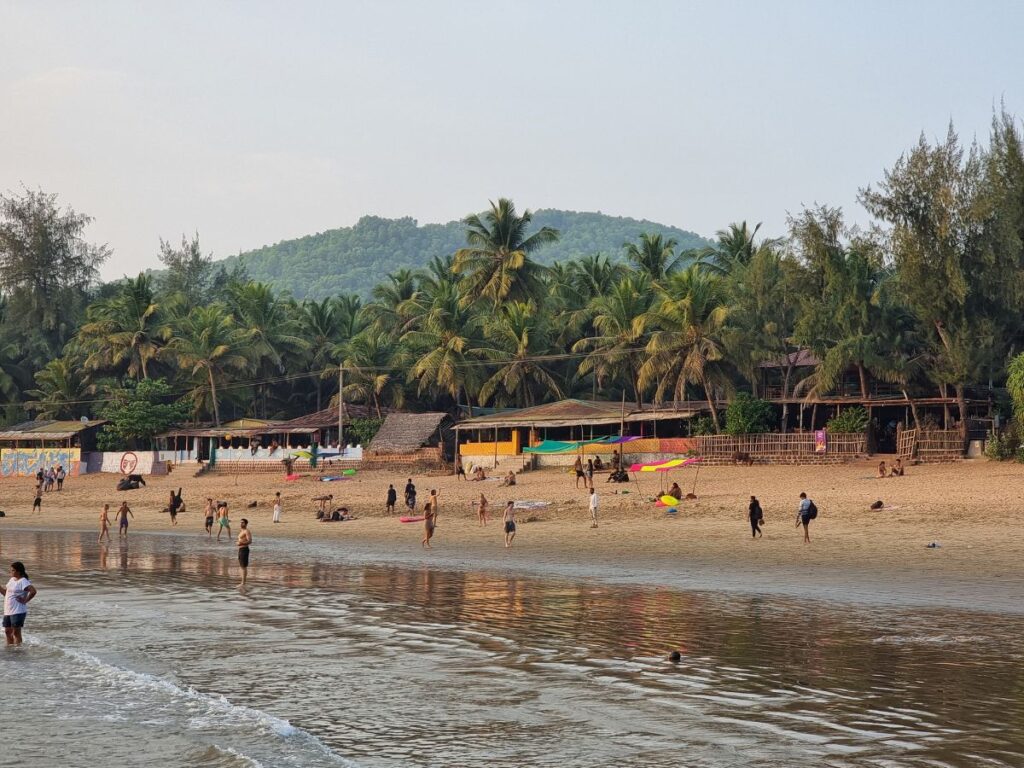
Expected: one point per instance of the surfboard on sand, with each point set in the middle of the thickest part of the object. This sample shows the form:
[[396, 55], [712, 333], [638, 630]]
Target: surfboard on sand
[[410, 519]]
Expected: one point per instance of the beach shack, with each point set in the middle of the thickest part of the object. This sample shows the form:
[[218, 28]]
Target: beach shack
[[27, 447], [555, 433]]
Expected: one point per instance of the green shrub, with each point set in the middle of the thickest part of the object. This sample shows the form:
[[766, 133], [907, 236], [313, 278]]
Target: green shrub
[[1005, 445], [361, 431], [702, 425], [849, 420], [748, 415]]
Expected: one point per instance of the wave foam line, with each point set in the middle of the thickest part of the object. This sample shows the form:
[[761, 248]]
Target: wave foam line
[[215, 704]]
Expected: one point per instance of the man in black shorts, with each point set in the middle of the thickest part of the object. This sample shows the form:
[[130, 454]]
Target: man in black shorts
[[244, 542]]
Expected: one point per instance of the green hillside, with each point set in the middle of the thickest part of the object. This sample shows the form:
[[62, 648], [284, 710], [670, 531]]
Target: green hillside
[[354, 259]]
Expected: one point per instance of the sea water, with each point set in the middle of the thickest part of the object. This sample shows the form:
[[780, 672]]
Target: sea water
[[146, 653]]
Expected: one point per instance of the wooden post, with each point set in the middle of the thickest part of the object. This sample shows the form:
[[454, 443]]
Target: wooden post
[[341, 406]]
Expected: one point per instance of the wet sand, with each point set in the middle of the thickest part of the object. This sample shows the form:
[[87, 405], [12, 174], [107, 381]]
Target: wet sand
[[970, 509]]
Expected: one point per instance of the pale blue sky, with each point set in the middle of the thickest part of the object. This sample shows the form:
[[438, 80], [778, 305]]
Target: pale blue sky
[[254, 122]]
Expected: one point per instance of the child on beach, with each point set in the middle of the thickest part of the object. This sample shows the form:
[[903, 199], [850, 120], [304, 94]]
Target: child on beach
[[104, 524], [277, 507], [508, 517], [389, 504], [122, 520], [481, 510], [37, 504], [881, 469], [208, 522]]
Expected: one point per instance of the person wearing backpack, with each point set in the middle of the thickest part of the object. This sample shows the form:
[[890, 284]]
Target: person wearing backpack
[[807, 512]]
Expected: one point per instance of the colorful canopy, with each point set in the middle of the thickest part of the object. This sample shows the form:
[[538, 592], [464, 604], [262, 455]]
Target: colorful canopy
[[664, 466], [563, 446]]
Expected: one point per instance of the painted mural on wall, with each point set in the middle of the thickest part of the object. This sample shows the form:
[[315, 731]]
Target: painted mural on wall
[[20, 462]]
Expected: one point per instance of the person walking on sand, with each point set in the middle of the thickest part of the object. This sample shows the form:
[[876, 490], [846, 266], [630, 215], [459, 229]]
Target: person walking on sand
[[756, 517], [172, 508], [244, 542], [17, 594], [122, 515], [61, 474], [429, 517], [593, 507], [37, 503], [481, 510], [104, 524], [389, 502], [208, 513], [805, 514], [223, 521], [277, 507], [578, 467], [508, 517]]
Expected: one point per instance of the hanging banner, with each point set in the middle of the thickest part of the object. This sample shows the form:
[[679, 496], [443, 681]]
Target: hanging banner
[[820, 441]]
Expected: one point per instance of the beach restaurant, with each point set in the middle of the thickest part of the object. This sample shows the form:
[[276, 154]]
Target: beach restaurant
[[27, 447], [555, 433], [253, 440]]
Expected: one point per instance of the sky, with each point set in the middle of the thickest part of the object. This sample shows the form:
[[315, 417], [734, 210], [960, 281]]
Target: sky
[[254, 122]]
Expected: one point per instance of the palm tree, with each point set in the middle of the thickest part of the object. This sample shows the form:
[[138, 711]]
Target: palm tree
[[520, 337], [125, 330], [319, 326], [687, 346], [444, 345], [213, 349], [619, 318], [654, 255], [60, 390], [496, 265], [384, 313], [735, 247], [370, 364]]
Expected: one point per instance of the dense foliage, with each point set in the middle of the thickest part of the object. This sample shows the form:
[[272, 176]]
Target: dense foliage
[[352, 259], [929, 300], [748, 415]]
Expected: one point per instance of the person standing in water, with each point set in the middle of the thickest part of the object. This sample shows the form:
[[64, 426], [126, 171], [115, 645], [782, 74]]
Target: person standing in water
[[208, 522], [277, 507], [429, 517], [104, 524], [223, 521], [756, 515], [17, 594], [244, 542], [122, 520], [508, 517]]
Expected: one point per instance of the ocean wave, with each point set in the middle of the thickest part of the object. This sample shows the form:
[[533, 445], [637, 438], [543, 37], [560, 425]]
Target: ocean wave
[[216, 710]]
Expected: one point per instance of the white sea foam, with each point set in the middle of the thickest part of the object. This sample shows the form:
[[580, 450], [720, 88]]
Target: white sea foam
[[214, 711]]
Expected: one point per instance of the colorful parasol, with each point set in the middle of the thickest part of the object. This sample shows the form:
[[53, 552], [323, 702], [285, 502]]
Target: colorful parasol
[[664, 466]]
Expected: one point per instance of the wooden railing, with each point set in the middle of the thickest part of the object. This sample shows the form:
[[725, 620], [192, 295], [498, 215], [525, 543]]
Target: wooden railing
[[930, 445], [778, 446]]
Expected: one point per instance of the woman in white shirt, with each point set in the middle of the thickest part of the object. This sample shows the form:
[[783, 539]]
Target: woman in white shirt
[[17, 594]]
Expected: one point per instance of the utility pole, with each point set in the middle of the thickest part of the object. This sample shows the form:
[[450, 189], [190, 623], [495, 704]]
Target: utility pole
[[341, 401]]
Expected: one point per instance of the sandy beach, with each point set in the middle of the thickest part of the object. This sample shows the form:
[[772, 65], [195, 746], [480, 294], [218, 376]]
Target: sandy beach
[[970, 509]]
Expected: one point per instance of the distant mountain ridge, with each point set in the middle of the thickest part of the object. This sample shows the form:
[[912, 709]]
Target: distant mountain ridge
[[354, 259]]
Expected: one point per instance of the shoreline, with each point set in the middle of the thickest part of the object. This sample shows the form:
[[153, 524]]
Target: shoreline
[[856, 555]]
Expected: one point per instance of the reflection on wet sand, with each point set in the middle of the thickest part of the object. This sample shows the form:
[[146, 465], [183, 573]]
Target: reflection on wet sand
[[550, 672]]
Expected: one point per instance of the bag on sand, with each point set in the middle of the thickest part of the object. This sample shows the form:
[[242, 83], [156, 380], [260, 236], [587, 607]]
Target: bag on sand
[[812, 511]]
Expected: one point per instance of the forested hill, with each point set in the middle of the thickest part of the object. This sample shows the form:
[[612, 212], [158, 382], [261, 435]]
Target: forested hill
[[354, 259]]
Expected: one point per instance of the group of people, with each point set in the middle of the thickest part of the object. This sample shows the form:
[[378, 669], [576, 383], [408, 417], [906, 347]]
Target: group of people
[[47, 480], [896, 470], [806, 512]]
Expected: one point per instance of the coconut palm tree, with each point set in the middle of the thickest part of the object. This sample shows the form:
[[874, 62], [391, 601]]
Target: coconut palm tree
[[60, 390], [495, 265], [125, 332], [654, 255], [619, 317], [444, 345], [384, 313], [212, 349], [519, 336], [371, 365], [686, 346]]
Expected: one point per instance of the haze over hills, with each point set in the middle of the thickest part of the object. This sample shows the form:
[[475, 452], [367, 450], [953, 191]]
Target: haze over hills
[[354, 259]]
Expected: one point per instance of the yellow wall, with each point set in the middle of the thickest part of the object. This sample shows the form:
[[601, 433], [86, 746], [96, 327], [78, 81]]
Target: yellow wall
[[504, 448]]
